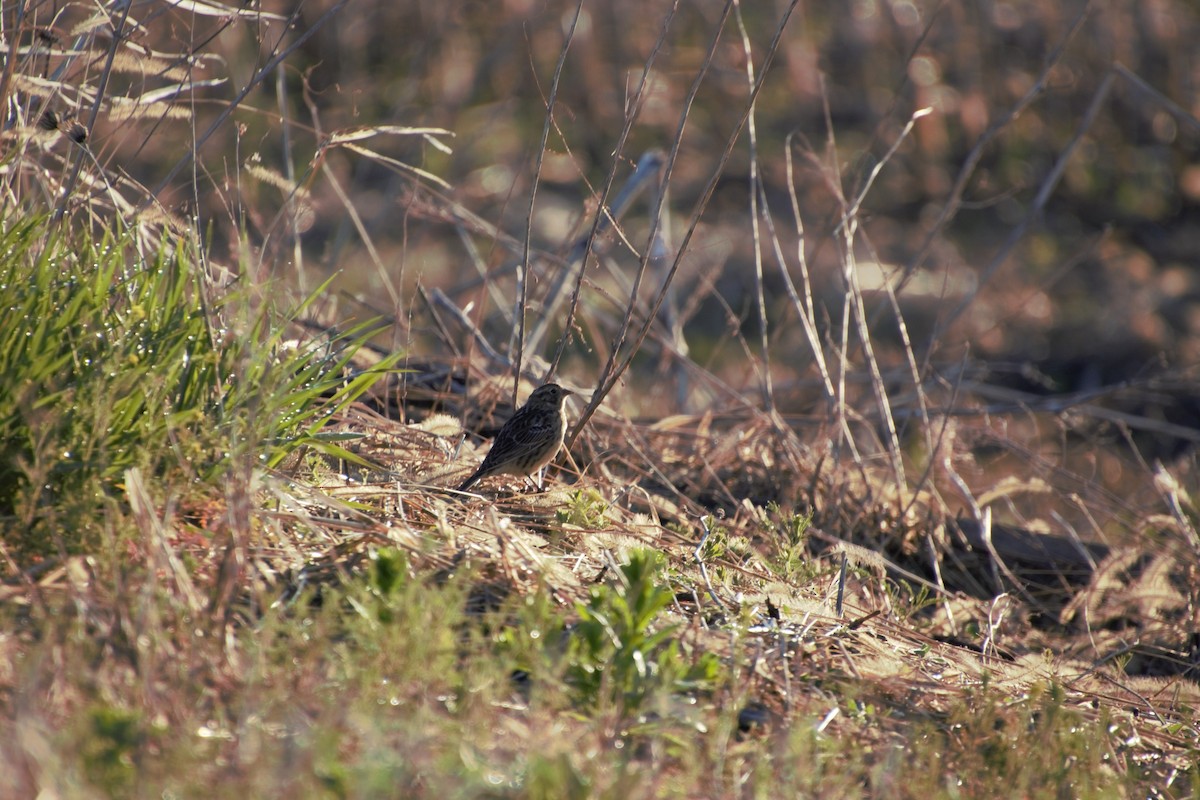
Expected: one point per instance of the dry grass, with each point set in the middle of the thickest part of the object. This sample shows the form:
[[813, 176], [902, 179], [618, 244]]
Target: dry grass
[[881, 478]]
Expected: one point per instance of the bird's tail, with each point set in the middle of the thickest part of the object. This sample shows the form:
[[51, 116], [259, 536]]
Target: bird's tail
[[471, 481]]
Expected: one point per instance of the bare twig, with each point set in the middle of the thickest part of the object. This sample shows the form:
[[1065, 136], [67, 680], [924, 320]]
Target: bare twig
[[523, 266], [291, 205], [805, 308], [118, 35], [849, 229], [440, 300], [1035, 210], [612, 371], [764, 374], [649, 166], [698, 553], [1179, 112], [10, 62], [305, 33], [954, 201]]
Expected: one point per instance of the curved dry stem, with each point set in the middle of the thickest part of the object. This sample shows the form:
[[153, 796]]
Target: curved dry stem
[[760, 301], [255, 80], [523, 265], [613, 371], [578, 261]]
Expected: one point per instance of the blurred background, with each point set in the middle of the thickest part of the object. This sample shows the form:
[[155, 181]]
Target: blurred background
[[1101, 288], [1037, 228]]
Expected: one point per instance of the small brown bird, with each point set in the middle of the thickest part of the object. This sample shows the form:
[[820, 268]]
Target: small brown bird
[[529, 440]]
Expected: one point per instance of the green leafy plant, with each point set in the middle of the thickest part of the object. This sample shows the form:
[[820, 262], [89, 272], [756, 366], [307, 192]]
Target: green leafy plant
[[387, 584], [787, 538], [586, 509], [618, 653], [113, 738], [716, 543]]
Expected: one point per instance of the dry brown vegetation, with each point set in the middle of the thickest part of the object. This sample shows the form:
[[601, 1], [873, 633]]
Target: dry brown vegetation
[[882, 469]]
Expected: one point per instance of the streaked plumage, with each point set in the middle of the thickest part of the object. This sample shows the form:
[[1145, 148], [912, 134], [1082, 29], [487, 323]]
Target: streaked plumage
[[529, 440]]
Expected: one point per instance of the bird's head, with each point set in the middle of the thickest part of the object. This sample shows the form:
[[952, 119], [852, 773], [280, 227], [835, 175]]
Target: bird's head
[[550, 395]]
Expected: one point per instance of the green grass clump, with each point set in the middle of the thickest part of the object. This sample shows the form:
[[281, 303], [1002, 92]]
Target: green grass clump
[[110, 361]]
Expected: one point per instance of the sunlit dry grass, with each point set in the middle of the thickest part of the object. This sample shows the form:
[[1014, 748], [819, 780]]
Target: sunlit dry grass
[[880, 476]]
